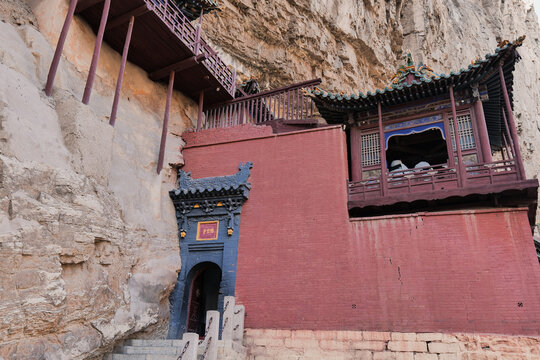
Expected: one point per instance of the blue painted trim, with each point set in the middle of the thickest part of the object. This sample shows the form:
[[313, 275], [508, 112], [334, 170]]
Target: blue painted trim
[[413, 130]]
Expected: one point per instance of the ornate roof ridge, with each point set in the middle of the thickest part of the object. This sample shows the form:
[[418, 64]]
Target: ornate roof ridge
[[222, 185], [418, 70]]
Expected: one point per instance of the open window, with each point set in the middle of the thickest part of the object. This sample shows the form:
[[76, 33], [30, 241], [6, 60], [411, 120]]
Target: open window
[[416, 149]]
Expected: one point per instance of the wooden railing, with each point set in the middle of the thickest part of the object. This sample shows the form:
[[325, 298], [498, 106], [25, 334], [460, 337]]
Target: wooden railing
[[434, 178], [178, 23], [492, 173], [288, 104]]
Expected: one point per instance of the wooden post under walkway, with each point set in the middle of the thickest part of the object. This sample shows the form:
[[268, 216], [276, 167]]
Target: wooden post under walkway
[[97, 50], [60, 47], [165, 123], [116, 100]]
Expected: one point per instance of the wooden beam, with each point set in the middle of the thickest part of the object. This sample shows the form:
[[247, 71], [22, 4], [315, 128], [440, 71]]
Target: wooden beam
[[165, 123], [201, 104], [122, 19], [483, 132], [97, 50], [59, 47], [85, 4], [356, 153], [177, 67], [487, 189], [384, 183], [460, 165], [120, 79], [512, 125]]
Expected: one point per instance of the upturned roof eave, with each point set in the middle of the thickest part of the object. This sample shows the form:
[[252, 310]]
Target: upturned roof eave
[[396, 94]]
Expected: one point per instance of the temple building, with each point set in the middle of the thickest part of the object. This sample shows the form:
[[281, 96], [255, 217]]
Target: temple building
[[406, 209], [403, 152], [368, 212]]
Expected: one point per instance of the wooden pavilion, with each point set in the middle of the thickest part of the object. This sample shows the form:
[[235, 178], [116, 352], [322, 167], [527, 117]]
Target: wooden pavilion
[[403, 152]]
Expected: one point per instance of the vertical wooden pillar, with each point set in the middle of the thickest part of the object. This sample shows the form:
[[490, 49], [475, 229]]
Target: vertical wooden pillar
[[356, 154], [460, 165], [198, 34], [384, 167], [59, 47], [114, 110], [512, 145], [201, 104], [482, 132], [165, 123], [97, 50], [233, 88], [449, 148], [512, 125]]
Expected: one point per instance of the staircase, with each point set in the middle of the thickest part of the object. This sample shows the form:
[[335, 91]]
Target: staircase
[[229, 347]]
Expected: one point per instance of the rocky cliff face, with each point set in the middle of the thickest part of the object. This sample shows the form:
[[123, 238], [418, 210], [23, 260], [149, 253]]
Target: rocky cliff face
[[88, 236], [88, 244]]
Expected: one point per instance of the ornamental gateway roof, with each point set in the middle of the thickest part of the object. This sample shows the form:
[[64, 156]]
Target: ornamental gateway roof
[[413, 82]]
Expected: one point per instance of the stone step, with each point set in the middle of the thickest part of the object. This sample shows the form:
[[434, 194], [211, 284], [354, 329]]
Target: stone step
[[139, 342], [144, 357], [141, 350]]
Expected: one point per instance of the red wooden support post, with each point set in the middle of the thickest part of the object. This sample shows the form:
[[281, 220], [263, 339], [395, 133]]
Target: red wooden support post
[[201, 104], [460, 164], [449, 148], [198, 34], [384, 184], [356, 154], [59, 47], [165, 123], [512, 126], [242, 110], [114, 110], [512, 145], [233, 86], [97, 50], [482, 130]]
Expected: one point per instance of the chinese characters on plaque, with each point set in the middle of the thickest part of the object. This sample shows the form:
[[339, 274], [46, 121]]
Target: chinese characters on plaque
[[207, 230]]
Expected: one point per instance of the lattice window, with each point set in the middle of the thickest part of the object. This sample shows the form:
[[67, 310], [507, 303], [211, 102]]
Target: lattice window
[[371, 150], [465, 130]]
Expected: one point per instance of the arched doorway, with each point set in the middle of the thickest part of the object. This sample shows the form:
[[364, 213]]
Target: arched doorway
[[203, 295]]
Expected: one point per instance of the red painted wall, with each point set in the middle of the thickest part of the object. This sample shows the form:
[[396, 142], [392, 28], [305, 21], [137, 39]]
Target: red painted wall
[[303, 264]]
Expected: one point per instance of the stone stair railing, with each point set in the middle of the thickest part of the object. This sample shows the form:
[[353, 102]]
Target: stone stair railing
[[189, 347]]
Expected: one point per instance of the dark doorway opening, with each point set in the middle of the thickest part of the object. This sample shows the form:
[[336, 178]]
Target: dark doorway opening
[[203, 296], [428, 146]]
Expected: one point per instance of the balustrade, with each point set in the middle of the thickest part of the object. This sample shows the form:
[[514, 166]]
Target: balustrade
[[288, 104]]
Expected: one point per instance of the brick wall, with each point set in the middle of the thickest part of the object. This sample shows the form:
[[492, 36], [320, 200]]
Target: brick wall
[[303, 264], [369, 345]]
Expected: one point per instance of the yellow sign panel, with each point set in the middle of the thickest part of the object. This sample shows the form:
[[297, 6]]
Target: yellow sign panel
[[207, 230]]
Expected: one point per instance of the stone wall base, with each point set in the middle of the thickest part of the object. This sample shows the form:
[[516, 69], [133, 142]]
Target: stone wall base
[[369, 345]]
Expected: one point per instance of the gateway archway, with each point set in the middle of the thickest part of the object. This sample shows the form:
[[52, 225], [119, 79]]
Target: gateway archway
[[203, 295]]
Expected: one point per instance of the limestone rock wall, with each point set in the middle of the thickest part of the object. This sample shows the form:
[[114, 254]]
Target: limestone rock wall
[[371, 345], [356, 45], [88, 244], [88, 236]]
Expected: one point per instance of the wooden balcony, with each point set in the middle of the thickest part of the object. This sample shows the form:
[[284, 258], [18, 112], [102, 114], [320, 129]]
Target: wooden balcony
[[439, 183], [164, 40], [286, 108]]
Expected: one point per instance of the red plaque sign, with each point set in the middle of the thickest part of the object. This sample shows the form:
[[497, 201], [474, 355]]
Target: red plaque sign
[[207, 230]]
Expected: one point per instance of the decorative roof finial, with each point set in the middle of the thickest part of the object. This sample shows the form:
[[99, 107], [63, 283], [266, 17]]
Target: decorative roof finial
[[411, 71], [409, 59], [192, 8]]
